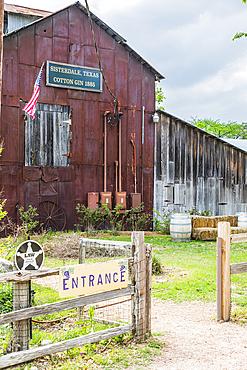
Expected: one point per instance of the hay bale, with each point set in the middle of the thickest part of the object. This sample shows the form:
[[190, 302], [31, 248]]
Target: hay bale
[[207, 233], [212, 221], [238, 230], [204, 233], [232, 219], [201, 221]]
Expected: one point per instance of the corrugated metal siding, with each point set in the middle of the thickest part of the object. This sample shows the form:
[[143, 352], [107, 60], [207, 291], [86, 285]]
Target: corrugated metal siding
[[66, 37], [16, 21], [195, 169]]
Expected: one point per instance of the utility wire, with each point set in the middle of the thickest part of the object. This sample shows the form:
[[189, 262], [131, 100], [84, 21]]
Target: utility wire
[[96, 49]]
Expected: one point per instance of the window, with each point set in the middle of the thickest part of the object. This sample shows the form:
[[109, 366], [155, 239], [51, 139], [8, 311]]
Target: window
[[47, 137]]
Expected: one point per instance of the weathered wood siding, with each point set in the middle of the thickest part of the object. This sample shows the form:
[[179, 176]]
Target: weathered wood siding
[[195, 169]]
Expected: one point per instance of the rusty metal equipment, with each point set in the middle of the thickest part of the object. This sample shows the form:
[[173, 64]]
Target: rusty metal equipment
[[120, 199], [93, 200], [50, 216], [106, 198], [135, 200]]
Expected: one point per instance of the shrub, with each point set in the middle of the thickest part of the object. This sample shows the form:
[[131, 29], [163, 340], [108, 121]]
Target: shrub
[[6, 298], [28, 222], [156, 266], [162, 222], [194, 211], [89, 218], [137, 219]]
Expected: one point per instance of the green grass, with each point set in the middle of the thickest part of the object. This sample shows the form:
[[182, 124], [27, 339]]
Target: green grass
[[189, 274]]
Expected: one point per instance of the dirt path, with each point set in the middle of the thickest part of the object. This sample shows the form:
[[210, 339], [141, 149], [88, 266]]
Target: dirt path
[[194, 340]]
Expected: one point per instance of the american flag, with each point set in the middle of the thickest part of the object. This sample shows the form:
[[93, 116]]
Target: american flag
[[30, 107]]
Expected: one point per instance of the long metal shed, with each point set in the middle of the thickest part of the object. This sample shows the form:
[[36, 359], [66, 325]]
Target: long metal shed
[[196, 169]]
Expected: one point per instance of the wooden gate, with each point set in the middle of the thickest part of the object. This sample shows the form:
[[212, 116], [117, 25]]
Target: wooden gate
[[225, 269]]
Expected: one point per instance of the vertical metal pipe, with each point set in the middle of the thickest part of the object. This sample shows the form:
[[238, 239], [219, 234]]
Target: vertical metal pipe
[[120, 155], [105, 143], [116, 162], [134, 150], [143, 117]]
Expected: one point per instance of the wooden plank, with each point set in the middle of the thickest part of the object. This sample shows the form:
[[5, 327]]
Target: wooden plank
[[20, 276], [238, 238], [63, 305], [219, 280], [224, 233], [29, 355], [238, 268]]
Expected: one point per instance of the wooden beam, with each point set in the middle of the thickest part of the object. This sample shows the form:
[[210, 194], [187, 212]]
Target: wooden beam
[[238, 238], [224, 233], [238, 268], [20, 276], [29, 355], [68, 304]]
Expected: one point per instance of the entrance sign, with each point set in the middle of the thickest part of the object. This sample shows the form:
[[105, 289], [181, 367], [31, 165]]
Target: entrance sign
[[73, 77], [90, 278], [29, 256]]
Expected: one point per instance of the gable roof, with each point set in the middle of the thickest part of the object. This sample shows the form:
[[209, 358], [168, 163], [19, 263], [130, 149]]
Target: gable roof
[[108, 30], [18, 9], [235, 143]]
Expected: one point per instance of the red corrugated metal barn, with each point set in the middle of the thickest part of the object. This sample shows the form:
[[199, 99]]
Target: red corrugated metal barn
[[61, 156]]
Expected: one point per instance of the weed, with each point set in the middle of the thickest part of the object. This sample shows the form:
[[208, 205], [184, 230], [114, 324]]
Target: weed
[[6, 298], [137, 219], [89, 218], [156, 266], [162, 222], [195, 211], [28, 223]]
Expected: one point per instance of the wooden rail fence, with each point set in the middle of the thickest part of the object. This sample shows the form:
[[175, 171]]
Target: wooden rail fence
[[225, 269], [139, 289]]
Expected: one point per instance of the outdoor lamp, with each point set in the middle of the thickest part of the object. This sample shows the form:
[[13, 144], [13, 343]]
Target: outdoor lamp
[[155, 117]]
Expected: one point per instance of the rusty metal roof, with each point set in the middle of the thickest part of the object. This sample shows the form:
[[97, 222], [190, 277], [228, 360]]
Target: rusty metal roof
[[17, 9], [106, 28]]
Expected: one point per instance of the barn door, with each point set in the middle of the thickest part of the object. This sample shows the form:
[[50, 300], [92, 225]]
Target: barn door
[[47, 137]]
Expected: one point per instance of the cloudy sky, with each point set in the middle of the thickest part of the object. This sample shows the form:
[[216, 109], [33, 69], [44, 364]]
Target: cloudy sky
[[188, 42]]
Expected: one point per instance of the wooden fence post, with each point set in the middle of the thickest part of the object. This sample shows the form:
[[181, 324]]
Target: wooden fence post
[[224, 234], [139, 299], [21, 332], [148, 287], [82, 257], [219, 279]]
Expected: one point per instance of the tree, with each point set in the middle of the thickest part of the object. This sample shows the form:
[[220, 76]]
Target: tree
[[159, 97], [231, 130], [240, 34]]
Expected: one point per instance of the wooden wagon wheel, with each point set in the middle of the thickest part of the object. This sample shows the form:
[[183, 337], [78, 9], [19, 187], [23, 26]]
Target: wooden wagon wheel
[[50, 216]]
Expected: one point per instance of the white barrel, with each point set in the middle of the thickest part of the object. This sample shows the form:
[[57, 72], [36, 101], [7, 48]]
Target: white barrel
[[180, 227], [242, 219]]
